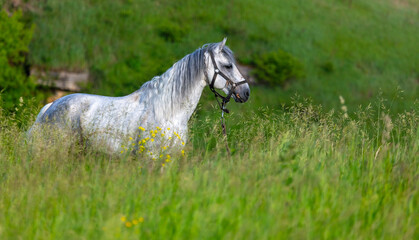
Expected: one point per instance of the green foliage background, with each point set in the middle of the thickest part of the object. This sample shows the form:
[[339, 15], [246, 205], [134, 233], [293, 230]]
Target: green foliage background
[[277, 68], [370, 45], [14, 42]]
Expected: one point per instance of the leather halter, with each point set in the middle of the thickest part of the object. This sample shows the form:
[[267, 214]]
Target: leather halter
[[230, 82]]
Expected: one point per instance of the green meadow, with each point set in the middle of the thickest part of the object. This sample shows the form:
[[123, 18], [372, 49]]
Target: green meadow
[[293, 174], [333, 154]]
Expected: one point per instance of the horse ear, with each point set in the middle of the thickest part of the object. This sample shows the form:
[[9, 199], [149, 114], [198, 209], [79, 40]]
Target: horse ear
[[221, 45]]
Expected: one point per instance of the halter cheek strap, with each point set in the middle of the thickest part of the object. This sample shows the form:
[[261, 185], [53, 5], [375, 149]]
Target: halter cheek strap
[[225, 99], [233, 85]]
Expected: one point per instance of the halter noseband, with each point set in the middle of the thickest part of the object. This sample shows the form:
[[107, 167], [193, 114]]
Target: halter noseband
[[217, 72]]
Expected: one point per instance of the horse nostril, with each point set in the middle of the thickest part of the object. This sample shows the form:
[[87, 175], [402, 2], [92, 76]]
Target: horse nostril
[[247, 93]]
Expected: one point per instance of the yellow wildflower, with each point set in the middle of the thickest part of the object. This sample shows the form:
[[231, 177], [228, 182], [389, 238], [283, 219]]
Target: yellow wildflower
[[141, 219], [122, 151], [167, 160], [168, 156], [158, 128], [130, 138], [183, 152], [183, 143], [162, 164], [164, 147], [135, 222], [141, 128], [123, 219], [161, 155], [153, 135], [152, 139], [162, 134], [168, 129], [128, 224], [170, 138]]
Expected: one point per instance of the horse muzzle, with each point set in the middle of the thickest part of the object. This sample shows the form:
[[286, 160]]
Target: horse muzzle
[[241, 94]]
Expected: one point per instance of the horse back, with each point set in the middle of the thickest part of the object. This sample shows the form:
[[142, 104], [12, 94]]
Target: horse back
[[64, 109]]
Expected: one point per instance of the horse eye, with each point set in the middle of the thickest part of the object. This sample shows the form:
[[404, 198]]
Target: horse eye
[[229, 66]]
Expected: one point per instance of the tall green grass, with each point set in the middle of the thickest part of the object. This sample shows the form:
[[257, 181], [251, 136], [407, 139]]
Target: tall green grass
[[295, 173]]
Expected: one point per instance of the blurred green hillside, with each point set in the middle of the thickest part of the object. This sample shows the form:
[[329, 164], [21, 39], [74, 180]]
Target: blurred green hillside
[[360, 50]]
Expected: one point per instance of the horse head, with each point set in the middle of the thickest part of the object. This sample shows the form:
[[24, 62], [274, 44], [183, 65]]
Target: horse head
[[223, 74]]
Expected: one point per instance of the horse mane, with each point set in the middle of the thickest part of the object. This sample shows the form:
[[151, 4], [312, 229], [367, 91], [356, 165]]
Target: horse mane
[[179, 80], [188, 69]]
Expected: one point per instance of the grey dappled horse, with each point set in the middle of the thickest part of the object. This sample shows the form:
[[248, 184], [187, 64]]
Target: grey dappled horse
[[166, 101]]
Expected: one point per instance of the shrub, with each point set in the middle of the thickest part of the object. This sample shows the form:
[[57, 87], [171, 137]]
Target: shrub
[[277, 68], [14, 41], [171, 31], [328, 67]]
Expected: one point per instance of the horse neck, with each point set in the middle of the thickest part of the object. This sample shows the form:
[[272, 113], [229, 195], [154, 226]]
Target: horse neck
[[172, 105]]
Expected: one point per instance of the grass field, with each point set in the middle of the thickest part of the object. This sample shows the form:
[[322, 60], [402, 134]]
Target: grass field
[[322, 168], [294, 174]]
